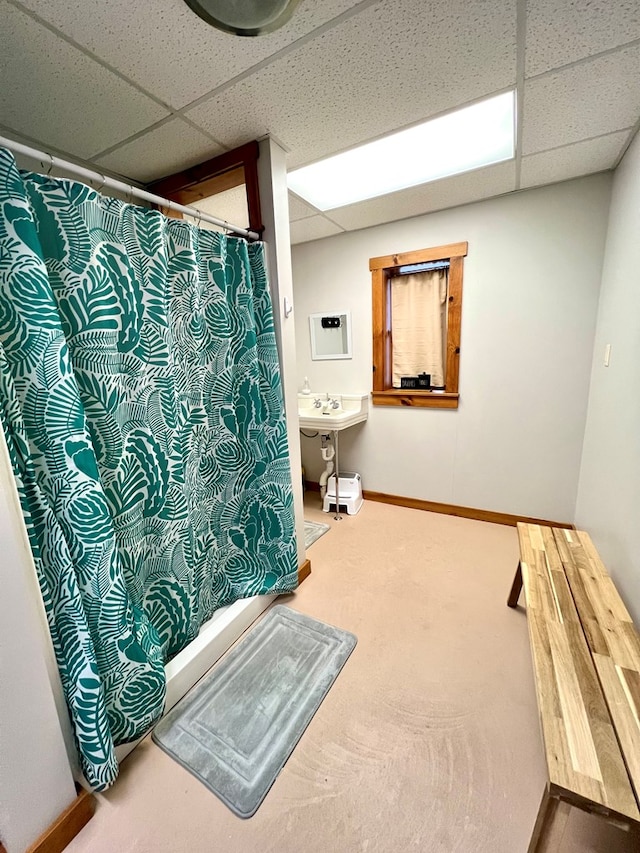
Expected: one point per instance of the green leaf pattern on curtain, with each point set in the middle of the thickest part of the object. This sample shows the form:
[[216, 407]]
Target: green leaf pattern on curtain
[[142, 405]]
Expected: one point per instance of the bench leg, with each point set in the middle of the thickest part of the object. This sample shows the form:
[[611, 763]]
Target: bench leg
[[516, 587], [550, 824]]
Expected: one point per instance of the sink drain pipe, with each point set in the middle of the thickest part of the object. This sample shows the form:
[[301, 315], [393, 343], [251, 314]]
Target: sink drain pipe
[[328, 452]]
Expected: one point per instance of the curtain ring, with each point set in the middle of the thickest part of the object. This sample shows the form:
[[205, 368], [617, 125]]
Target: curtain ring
[[50, 164], [104, 181], [129, 194], [199, 222]]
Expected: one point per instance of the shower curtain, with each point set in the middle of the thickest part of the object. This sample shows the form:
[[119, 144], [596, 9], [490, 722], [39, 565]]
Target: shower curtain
[[141, 401]]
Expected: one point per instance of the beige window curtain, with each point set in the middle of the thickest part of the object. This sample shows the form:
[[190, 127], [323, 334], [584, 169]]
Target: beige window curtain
[[418, 318]]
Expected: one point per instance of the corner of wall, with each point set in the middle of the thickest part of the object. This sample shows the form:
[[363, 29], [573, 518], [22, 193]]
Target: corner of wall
[[608, 495], [272, 178]]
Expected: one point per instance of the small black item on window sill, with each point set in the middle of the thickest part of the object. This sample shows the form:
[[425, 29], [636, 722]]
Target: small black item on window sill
[[424, 381], [437, 387], [408, 381]]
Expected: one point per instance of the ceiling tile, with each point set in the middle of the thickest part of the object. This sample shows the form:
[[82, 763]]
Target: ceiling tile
[[559, 33], [582, 158], [54, 93], [426, 198], [168, 49], [170, 148], [586, 100], [298, 209], [390, 66], [312, 228]]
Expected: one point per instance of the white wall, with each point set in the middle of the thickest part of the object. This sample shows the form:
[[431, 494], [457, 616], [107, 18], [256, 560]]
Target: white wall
[[35, 777], [608, 503], [531, 284], [272, 177]]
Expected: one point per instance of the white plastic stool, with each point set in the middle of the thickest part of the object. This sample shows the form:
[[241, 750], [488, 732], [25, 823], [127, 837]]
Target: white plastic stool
[[350, 493]]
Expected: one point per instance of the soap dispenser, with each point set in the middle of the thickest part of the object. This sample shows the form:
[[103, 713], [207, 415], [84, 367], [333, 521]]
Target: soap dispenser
[[305, 388]]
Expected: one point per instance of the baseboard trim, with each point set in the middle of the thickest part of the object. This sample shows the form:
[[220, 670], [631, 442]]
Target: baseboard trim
[[460, 511], [304, 571], [67, 826]]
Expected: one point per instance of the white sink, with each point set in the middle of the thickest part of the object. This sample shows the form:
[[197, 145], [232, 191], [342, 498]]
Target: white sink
[[351, 409]]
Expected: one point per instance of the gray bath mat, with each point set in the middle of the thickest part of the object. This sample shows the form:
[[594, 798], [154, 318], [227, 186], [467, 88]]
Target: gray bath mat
[[313, 530], [237, 727]]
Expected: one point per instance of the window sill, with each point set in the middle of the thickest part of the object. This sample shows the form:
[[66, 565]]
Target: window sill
[[407, 398]]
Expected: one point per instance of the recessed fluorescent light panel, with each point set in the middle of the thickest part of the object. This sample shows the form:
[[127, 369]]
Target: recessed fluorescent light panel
[[466, 139]]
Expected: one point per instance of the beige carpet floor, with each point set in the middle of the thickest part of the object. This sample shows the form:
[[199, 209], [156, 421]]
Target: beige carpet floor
[[428, 740]]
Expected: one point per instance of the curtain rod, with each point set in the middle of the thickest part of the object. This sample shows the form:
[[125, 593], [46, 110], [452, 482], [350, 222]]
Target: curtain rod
[[128, 189], [421, 266]]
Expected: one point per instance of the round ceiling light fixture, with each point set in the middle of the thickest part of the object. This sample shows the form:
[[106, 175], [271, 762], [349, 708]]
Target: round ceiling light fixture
[[244, 17]]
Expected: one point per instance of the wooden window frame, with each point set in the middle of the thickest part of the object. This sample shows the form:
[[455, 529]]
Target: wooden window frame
[[384, 394]]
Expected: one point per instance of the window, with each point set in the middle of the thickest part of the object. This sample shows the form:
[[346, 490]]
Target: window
[[417, 307]]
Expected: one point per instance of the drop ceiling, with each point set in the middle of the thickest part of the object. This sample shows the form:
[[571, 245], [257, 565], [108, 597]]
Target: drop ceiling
[[147, 89]]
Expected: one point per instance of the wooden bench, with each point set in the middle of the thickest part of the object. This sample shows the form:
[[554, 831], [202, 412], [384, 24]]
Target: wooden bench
[[586, 663]]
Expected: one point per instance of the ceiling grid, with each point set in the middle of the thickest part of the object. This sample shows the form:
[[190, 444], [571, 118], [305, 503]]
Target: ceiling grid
[[142, 98], [521, 38]]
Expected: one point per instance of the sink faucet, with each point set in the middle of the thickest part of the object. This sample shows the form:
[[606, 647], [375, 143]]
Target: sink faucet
[[327, 404], [330, 404]]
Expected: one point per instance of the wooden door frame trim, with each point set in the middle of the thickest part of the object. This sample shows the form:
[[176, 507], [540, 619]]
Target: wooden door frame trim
[[197, 182]]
